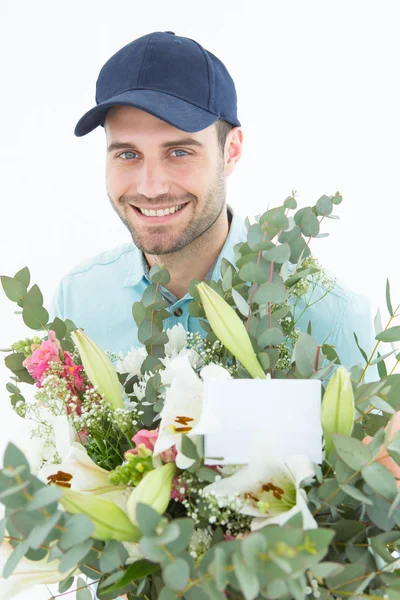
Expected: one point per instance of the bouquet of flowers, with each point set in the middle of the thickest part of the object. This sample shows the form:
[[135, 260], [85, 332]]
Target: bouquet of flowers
[[143, 488]]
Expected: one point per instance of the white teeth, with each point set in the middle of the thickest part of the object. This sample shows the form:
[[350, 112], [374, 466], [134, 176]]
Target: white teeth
[[160, 213]]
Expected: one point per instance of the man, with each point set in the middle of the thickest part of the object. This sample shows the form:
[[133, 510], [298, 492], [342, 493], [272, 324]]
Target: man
[[168, 107]]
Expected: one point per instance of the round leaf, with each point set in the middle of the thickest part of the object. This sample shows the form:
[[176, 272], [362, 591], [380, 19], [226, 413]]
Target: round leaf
[[35, 317], [14, 289], [380, 480], [23, 276], [176, 574]]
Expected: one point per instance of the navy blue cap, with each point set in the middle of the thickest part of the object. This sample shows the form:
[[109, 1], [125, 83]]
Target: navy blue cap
[[169, 76]]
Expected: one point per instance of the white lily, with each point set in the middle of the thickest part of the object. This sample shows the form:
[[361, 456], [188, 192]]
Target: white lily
[[28, 573], [269, 489], [183, 406], [86, 475]]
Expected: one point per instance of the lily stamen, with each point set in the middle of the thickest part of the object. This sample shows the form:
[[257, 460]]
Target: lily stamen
[[183, 420], [60, 478]]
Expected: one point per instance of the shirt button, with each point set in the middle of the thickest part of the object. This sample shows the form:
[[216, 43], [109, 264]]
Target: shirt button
[[178, 312]]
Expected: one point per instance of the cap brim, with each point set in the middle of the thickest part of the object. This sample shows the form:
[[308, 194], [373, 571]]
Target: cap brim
[[175, 111]]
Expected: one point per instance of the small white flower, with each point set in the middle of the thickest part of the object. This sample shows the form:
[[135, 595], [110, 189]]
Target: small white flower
[[132, 362], [177, 340]]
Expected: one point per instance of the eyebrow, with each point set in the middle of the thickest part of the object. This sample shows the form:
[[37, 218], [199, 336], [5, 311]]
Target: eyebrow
[[182, 142]]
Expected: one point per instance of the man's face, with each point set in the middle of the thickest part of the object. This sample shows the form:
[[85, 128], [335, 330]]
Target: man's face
[[152, 166]]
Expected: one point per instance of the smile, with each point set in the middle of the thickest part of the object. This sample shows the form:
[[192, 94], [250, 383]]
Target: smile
[[158, 215]]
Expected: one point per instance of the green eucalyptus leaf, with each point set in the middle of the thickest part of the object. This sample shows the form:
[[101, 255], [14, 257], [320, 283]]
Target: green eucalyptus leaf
[[159, 338], [14, 558], [113, 556], [298, 247], [270, 337], [138, 312], [275, 217], [324, 206], [82, 591], [167, 594], [326, 569], [44, 496], [380, 480], [35, 317], [14, 361], [241, 303], [388, 300], [176, 574], [290, 202], [10, 387], [186, 528], [364, 355], [59, 328], [248, 579], [147, 518], [279, 254], [353, 453], [150, 548], [270, 292], [65, 584], [305, 352], [34, 297], [23, 276], [348, 579], [75, 555], [251, 547], [290, 235], [78, 529], [264, 360], [217, 569], [389, 335], [356, 494], [14, 289], [206, 474], [251, 272], [255, 235], [378, 513], [159, 275], [188, 448]]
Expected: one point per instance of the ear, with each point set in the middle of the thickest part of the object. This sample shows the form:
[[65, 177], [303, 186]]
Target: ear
[[233, 149]]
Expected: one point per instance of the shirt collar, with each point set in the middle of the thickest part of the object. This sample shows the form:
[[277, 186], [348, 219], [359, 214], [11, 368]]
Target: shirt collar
[[237, 233]]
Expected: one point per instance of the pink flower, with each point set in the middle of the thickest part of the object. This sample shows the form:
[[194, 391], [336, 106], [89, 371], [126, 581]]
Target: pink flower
[[179, 489], [149, 438], [383, 456], [47, 352], [146, 437], [73, 372]]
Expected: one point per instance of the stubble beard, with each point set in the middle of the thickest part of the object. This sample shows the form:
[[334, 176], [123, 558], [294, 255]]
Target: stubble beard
[[159, 243]]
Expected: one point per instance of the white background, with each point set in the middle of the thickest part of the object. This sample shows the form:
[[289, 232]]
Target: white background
[[318, 99]]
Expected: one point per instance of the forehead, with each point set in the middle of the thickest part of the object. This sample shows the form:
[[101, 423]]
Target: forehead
[[122, 121]]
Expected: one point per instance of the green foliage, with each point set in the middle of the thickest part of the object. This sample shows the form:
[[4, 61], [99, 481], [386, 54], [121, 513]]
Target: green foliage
[[354, 498]]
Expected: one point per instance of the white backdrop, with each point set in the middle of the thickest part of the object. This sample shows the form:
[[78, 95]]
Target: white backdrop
[[318, 99]]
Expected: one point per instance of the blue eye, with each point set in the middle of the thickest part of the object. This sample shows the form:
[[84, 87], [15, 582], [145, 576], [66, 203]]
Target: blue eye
[[129, 152], [133, 154]]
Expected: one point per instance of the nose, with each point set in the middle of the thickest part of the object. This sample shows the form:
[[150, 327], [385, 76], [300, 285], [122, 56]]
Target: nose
[[151, 180]]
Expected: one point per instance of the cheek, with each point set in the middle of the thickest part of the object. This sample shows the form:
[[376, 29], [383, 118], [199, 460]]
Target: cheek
[[117, 180]]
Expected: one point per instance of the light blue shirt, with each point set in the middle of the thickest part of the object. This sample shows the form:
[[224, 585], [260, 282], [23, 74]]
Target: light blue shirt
[[99, 292]]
